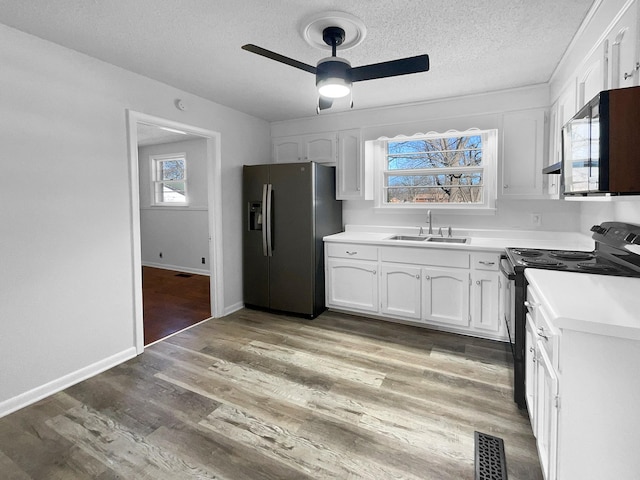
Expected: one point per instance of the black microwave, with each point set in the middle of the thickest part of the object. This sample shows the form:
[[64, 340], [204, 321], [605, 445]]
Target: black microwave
[[601, 145]]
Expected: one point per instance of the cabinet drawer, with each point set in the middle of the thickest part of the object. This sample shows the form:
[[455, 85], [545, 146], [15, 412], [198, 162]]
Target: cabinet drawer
[[425, 256], [352, 250], [485, 261]]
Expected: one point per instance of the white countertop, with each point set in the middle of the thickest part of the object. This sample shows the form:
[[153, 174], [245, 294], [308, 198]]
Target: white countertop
[[599, 304], [478, 239]]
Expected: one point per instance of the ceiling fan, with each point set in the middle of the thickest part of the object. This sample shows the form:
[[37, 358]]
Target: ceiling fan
[[334, 75]]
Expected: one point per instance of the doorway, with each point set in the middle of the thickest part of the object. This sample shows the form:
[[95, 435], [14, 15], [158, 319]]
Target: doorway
[[176, 274]]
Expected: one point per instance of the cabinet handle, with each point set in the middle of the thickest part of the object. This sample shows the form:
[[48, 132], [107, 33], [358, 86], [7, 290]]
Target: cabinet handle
[[374, 272], [506, 186], [418, 277], [541, 334], [477, 282], [529, 304], [427, 277], [484, 262], [351, 253]]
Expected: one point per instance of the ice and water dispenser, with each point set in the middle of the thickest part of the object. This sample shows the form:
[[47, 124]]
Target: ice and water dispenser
[[255, 215]]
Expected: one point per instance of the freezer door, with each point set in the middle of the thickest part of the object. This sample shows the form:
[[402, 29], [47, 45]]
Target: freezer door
[[291, 271], [255, 263]]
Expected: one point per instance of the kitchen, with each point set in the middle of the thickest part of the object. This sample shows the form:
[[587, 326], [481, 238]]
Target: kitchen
[[53, 243]]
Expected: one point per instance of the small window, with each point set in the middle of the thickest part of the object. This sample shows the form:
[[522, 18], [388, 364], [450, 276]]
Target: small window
[[450, 170], [169, 179]]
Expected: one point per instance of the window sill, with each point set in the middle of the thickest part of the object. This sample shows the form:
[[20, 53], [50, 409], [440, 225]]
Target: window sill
[[413, 209]]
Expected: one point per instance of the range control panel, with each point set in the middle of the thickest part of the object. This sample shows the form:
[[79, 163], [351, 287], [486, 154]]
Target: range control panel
[[616, 234]]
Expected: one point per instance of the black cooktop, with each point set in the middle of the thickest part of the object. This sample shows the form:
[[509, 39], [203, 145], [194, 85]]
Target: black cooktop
[[568, 261], [610, 257]]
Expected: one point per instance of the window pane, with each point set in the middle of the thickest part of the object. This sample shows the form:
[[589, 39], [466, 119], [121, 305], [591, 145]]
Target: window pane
[[172, 192], [448, 179], [172, 170], [444, 188], [417, 195], [435, 153]]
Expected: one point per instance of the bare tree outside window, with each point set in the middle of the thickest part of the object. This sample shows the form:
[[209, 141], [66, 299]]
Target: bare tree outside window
[[446, 169]]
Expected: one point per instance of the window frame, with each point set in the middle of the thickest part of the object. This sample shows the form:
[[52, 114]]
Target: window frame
[[488, 169], [156, 183]]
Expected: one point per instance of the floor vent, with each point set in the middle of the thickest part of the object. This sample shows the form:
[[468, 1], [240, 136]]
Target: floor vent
[[184, 275], [491, 463]]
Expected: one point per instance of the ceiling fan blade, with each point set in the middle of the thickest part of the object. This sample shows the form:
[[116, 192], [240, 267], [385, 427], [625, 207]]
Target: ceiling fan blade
[[324, 103], [392, 68], [279, 58]]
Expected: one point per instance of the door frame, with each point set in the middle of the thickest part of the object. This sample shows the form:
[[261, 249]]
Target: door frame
[[214, 192]]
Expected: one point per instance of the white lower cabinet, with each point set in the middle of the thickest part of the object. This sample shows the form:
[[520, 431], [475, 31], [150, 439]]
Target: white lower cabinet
[[455, 290], [445, 296], [400, 291], [352, 284], [485, 296], [546, 406]]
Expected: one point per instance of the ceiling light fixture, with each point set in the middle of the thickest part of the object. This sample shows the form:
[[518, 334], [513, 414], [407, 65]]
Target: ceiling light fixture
[[333, 77]]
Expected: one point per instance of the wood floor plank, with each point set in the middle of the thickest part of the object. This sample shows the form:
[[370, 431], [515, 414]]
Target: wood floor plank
[[256, 395]]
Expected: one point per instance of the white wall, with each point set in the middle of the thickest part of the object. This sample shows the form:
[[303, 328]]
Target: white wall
[[589, 39], [482, 111], [180, 233], [66, 299]]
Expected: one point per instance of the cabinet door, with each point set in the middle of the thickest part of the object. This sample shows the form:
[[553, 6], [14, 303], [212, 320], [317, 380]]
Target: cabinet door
[[352, 284], [523, 154], [401, 291], [445, 296], [592, 77], [530, 372], [287, 150], [320, 148], [623, 50], [485, 301], [350, 171], [547, 412]]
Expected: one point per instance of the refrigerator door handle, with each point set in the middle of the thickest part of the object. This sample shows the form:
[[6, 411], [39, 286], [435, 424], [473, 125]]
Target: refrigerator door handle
[[265, 250], [269, 221]]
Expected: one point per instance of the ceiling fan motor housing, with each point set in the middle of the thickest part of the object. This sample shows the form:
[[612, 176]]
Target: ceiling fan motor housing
[[333, 67]]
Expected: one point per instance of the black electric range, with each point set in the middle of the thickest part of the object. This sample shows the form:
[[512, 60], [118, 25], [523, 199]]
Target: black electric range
[[617, 252]]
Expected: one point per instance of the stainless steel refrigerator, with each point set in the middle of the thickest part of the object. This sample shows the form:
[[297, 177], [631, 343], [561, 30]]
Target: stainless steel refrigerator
[[288, 208]]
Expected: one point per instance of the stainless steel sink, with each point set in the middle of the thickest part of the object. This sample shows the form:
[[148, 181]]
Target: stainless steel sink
[[411, 238], [447, 240]]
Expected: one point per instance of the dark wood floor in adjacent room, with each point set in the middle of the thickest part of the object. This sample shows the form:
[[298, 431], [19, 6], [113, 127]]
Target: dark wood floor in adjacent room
[[261, 396], [172, 301]]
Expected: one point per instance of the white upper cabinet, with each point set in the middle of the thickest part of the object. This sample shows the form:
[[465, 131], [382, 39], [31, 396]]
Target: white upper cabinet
[[320, 148], [622, 58], [350, 173], [523, 154], [592, 77]]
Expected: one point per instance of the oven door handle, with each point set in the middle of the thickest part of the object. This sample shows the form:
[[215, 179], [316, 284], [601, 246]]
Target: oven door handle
[[506, 267]]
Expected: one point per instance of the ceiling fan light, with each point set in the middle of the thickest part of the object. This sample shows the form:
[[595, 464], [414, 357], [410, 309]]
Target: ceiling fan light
[[334, 88]]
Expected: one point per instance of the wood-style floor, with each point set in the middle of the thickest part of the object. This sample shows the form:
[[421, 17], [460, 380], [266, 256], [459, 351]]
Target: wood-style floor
[[262, 396], [172, 301]]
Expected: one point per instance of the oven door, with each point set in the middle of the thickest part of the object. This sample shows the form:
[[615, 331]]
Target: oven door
[[508, 298]]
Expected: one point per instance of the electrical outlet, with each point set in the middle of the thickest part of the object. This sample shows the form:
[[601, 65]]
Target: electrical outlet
[[536, 219], [203, 262]]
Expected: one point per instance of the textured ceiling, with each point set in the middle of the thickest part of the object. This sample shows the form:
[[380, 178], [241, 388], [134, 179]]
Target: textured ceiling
[[474, 45]]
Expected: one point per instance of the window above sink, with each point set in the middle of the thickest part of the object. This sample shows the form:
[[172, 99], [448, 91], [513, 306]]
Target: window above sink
[[452, 170]]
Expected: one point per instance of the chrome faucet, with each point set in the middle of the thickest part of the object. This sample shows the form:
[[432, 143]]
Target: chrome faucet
[[429, 222]]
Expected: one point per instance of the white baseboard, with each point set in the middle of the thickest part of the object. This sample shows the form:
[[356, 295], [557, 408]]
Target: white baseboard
[[233, 308], [55, 386], [176, 268]]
